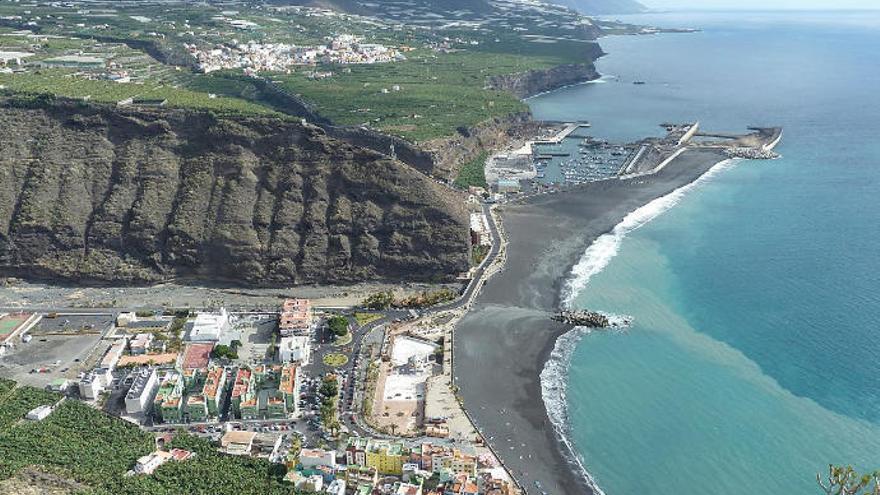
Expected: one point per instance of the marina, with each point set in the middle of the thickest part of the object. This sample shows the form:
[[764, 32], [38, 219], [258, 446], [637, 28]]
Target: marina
[[571, 158]]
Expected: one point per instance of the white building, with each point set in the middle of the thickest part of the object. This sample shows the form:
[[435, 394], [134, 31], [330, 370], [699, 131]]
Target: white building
[[111, 358], [312, 483], [92, 384], [148, 463], [141, 343], [124, 318], [39, 413], [336, 487], [141, 393], [209, 327], [317, 457], [480, 234], [294, 349]]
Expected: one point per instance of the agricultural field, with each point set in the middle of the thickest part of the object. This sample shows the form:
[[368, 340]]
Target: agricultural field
[[62, 82], [439, 88], [436, 95], [83, 444], [14, 405], [473, 173]]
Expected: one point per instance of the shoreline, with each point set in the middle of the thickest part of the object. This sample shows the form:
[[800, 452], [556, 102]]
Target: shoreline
[[546, 236]]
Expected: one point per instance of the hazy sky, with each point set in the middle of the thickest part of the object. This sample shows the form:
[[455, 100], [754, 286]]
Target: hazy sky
[[763, 4]]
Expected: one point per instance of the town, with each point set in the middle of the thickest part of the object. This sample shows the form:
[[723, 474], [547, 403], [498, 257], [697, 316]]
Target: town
[[347, 400], [254, 57]]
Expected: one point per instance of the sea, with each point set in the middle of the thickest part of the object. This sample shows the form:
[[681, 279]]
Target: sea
[[753, 358]]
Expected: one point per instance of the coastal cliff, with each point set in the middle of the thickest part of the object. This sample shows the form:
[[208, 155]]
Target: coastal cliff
[[449, 154], [100, 194], [533, 82]]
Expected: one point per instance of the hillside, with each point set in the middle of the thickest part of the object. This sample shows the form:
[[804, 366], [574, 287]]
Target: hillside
[[603, 7], [99, 194]]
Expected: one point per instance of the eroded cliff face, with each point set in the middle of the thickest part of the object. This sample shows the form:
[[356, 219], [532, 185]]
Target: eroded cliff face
[[97, 194], [494, 134], [533, 82]]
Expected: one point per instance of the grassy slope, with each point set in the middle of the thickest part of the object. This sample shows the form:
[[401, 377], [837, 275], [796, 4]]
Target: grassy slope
[[473, 173]]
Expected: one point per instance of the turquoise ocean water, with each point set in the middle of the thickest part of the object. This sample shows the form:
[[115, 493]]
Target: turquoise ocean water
[[754, 358]]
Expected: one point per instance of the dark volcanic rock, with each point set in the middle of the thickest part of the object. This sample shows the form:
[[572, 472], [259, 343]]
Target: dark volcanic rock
[[100, 194], [532, 82]]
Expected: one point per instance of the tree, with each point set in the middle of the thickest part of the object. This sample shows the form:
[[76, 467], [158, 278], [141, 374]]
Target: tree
[[329, 388], [844, 480], [338, 325], [379, 300], [223, 351]]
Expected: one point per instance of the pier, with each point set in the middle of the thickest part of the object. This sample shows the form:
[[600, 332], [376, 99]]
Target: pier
[[564, 133]]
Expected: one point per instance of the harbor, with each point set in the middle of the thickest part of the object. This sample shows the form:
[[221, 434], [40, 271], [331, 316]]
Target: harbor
[[569, 158]]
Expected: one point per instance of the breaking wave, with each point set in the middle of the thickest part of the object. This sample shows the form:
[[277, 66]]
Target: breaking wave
[[595, 259]]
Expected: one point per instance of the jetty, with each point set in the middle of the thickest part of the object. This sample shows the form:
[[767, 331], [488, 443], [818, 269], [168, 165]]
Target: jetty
[[582, 318], [564, 133]]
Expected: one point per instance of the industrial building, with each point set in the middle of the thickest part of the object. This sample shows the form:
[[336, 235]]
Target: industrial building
[[114, 353], [75, 62]]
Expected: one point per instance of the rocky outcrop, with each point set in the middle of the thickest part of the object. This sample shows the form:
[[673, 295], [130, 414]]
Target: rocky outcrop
[[100, 194], [532, 82]]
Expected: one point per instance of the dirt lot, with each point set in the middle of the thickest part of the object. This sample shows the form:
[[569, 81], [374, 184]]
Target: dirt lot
[[57, 353], [406, 416]]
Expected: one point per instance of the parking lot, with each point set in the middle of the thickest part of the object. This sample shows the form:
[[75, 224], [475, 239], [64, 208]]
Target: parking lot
[[52, 356]]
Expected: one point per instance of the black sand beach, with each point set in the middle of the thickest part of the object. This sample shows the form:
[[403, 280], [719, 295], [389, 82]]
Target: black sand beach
[[502, 344]]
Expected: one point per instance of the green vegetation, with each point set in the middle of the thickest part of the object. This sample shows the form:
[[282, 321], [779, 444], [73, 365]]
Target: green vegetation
[[222, 351], [366, 318], [6, 386], [424, 299], [75, 440], [335, 359], [427, 298], [473, 173], [442, 83], [338, 325], [61, 82], [79, 442], [844, 480], [329, 391], [21, 400], [379, 301], [344, 340], [479, 253], [438, 93]]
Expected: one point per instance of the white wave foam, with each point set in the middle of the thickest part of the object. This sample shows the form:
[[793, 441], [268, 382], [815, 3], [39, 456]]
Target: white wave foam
[[553, 388], [595, 259], [604, 248]]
